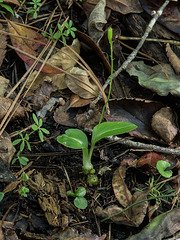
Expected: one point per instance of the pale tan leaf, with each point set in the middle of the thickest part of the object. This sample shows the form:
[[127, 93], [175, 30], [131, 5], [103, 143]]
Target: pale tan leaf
[[4, 84], [3, 45], [173, 58], [12, 1], [80, 84]]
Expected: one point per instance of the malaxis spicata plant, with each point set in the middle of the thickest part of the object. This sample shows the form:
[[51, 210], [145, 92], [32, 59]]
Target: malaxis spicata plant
[[77, 139]]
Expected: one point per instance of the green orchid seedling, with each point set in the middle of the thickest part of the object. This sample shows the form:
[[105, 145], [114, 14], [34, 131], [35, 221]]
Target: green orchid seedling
[[77, 139], [79, 201]]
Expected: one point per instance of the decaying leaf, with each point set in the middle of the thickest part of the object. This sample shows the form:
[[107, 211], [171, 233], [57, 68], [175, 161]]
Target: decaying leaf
[[121, 6], [88, 119], [147, 163], [136, 111], [164, 123], [7, 150], [122, 193], [170, 17], [4, 84], [3, 45], [64, 58], [81, 86], [155, 79], [96, 21], [12, 2], [28, 45], [173, 58], [5, 104], [163, 226], [76, 101], [42, 94], [133, 217]]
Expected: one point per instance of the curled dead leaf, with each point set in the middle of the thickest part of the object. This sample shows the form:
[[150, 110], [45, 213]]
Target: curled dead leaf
[[173, 58], [80, 84]]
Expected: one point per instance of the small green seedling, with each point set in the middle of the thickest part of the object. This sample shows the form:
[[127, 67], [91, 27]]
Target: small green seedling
[[63, 33], [79, 201], [77, 139], [24, 142], [23, 191], [35, 9], [161, 167], [7, 7]]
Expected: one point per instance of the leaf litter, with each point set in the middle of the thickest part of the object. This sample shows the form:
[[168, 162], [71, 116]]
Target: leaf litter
[[49, 190]]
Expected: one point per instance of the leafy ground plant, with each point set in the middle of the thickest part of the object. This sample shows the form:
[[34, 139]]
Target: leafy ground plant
[[79, 201], [7, 7], [35, 8]]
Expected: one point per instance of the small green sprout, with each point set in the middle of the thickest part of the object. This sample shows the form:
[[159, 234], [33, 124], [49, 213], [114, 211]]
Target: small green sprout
[[161, 167], [79, 201], [23, 191], [7, 7], [35, 9]]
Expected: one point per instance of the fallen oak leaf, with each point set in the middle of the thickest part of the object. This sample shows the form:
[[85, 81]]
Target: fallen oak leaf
[[173, 58]]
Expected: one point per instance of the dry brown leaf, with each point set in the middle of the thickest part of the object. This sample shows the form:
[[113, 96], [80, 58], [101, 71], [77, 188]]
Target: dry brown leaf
[[121, 191], [12, 1], [62, 58], [3, 45], [4, 84], [5, 104], [76, 101], [83, 88], [173, 58], [7, 150], [88, 119], [164, 123], [42, 95]]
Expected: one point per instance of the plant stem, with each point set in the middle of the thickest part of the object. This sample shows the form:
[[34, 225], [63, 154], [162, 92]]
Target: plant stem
[[87, 165]]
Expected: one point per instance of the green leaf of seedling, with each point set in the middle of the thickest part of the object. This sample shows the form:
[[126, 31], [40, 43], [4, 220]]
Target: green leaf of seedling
[[26, 137], [34, 127], [80, 192], [1, 196], [60, 28], [73, 34], [15, 142], [50, 31], [23, 160], [24, 177], [57, 35], [20, 134], [34, 16], [44, 130], [35, 119], [8, 8], [23, 190], [40, 123], [107, 129], [80, 202], [63, 39], [22, 146], [70, 23], [74, 138], [28, 145], [41, 136], [161, 167], [66, 24], [14, 160], [73, 29]]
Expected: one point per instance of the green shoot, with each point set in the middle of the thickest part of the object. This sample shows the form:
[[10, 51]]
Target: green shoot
[[35, 9], [79, 201], [23, 191], [1, 196]]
